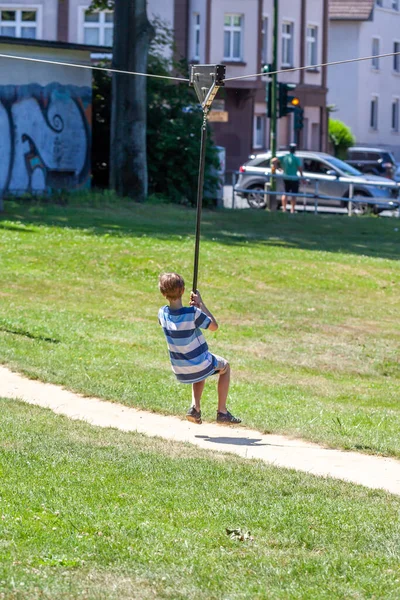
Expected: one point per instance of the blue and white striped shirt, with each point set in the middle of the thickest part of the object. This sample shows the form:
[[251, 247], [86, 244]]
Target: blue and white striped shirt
[[191, 360]]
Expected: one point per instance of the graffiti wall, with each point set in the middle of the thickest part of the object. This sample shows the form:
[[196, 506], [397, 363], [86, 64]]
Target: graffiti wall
[[45, 137]]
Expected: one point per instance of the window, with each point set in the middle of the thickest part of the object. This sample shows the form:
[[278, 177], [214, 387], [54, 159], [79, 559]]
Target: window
[[396, 4], [379, 2], [373, 122], [375, 52], [259, 131], [312, 47], [265, 40], [287, 44], [395, 114], [396, 57], [98, 28], [356, 155], [196, 36], [315, 166], [233, 34], [19, 23]]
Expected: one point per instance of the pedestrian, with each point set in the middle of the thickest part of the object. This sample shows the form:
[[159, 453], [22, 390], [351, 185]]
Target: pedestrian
[[291, 166], [191, 360]]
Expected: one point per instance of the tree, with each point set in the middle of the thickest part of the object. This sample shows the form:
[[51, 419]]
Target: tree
[[133, 33], [174, 120], [341, 137]]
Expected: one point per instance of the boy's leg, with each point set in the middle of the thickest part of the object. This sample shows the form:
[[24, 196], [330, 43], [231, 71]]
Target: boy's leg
[[197, 390], [284, 202], [223, 389], [293, 204], [223, 414], [194, 414]]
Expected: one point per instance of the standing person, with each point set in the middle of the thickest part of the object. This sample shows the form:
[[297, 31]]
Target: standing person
[[291, 166], [191, 360]]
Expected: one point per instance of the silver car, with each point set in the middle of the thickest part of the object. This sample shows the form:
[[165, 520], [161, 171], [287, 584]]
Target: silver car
[[324, 175]]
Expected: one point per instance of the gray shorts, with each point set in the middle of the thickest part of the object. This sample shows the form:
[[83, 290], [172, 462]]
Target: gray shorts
[[222, 365]]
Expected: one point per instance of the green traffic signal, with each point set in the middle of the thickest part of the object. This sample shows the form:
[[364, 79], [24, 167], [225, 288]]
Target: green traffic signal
[[299, 118]]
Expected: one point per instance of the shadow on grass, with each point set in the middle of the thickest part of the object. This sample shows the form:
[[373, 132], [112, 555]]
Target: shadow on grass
[[368, 236]]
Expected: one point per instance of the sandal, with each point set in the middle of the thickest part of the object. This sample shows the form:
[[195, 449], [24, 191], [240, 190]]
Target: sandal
[[228, 418], [194, 416]]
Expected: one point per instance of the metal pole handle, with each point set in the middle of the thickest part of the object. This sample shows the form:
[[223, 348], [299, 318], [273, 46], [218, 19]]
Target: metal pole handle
[[200, 200]]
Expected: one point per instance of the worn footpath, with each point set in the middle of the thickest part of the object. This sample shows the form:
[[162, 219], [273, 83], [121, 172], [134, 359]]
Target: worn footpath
[[371, 471]]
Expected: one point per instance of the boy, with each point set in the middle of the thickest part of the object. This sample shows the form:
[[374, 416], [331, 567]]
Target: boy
[[191, 360]]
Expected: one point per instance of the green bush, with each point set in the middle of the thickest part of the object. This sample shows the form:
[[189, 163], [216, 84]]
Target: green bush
[[341, 136]]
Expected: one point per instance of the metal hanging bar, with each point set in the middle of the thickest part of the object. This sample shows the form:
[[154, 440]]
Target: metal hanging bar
[[206, 80]]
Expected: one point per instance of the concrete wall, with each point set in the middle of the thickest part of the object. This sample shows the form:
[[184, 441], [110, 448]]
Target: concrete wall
[[45, 121]]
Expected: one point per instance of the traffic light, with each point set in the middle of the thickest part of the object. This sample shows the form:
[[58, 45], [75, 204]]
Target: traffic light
[[287, 101], [299, 118], [269, 100]]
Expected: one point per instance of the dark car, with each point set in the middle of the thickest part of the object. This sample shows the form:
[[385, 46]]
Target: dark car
[[371, 161], [333, 176]]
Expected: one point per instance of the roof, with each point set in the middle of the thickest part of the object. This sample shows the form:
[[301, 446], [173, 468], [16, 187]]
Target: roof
[[351, 10], [50, 44]]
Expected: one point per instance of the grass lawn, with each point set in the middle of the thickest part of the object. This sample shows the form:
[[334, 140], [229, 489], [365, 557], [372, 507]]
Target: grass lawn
[[99, 514], [308, 308]]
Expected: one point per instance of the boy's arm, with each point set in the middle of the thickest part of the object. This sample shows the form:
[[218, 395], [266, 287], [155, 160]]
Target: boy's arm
[[196, 300]]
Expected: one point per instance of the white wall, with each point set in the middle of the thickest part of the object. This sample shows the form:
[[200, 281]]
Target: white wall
[[249, 10], [383, 83], [351, 87], [289, 10], [315, 16], [164, 9], [199, 7], [47, 15], [343, 80]]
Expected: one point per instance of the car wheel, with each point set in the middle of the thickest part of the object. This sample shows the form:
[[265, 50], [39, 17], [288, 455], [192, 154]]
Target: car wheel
[[360, 207], [256, 200]]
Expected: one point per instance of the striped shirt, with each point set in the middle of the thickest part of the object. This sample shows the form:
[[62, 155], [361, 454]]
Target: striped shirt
[[191, 360]]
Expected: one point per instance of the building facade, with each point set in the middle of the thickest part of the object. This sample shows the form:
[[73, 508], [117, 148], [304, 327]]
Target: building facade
[[237, 33], [366, 94], [240, 35]]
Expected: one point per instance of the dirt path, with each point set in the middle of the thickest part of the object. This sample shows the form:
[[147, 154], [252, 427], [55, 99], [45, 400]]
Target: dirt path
[[371, 471]]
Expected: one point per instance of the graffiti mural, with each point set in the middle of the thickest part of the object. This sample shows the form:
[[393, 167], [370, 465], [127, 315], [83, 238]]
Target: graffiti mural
[[45, 137]]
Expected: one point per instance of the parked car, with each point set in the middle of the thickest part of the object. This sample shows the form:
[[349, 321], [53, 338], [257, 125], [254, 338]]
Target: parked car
[[372, 161], [333, 175]]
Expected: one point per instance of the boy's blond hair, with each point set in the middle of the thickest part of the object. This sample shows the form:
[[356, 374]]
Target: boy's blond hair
[[171, 285]]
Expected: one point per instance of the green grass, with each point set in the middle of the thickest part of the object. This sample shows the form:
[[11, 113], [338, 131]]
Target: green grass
[[308, 308], [99, 514]]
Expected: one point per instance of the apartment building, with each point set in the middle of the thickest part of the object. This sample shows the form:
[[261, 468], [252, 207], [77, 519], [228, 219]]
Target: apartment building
[[240, 35], [366, 94], [237, 33]]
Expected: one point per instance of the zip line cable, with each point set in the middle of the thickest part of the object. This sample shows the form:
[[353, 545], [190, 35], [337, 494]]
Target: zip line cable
[[328, 64], [79, 66], [110, 70]]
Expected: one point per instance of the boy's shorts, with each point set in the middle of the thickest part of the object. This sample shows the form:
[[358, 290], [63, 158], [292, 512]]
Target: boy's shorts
[[222, 365]]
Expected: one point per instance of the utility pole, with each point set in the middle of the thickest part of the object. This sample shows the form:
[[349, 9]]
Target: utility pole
[[274, 90]]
